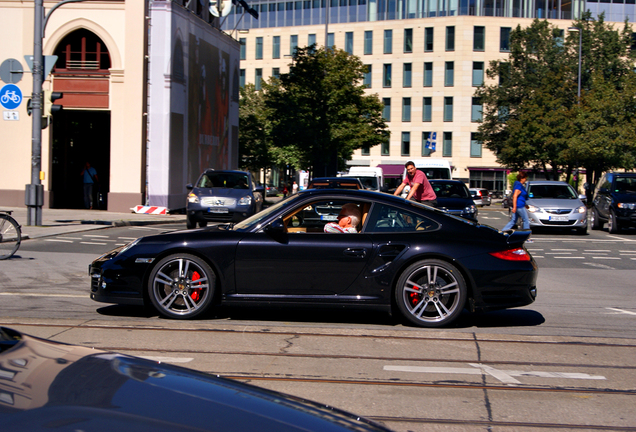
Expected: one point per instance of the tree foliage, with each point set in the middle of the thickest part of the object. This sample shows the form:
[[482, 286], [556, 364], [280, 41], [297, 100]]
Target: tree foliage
[[533, 117], [316, 115]]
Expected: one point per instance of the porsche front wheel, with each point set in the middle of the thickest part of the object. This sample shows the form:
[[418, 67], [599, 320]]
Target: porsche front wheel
[[181, 286], [431, 293]]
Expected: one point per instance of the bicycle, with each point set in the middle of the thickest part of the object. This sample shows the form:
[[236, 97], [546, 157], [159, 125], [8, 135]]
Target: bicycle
[[10, 235]]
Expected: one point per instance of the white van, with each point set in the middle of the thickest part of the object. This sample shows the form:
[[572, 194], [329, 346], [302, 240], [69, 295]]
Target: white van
[[433, 168], [371, 178]]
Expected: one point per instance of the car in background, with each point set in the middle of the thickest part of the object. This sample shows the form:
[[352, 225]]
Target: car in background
[[614, 201], [454, 197], [556, 205], [271, 190], [407, 258], [222, 196], [48, 385], [335, 183], [480, 196]]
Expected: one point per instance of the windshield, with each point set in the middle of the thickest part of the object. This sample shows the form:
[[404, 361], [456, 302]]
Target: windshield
[[223, 180], [551, 191], [436, 173], [450, 190], [625, 185], [254, 220], [368, 182]]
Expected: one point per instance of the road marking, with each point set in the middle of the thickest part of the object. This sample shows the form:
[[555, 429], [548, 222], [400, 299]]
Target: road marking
[[58, 240], [168, 359], [622, 311], [597, 265], [597, 250], [127, 238], [566, 250], [606, 258], [95, 235], [558, 253], [505, 376], [568, 257], [21, 294], [93, 243]]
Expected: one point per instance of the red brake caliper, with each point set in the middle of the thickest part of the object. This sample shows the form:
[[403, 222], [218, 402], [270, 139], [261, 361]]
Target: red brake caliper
[[196, 292]]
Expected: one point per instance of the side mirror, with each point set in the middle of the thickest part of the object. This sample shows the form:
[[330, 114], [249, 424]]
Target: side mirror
[[582, 197], [189, 186], [276, 227]]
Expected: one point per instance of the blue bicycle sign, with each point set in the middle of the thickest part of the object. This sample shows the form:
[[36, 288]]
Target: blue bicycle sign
[[10, 96]]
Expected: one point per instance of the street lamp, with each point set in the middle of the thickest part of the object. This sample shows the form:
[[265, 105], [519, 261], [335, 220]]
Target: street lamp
[[576, 29]]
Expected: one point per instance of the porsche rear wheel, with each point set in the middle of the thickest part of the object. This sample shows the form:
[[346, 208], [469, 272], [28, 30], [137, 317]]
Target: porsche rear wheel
[[181, 286], [431, 293]]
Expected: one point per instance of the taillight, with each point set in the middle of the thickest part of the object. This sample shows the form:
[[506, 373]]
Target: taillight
[[519, 254]]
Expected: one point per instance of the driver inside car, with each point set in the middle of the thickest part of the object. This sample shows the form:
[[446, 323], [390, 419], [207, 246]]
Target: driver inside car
[[348, 219]]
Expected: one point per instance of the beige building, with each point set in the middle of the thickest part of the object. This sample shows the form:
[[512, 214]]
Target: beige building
[[147, 101], [425, 57]]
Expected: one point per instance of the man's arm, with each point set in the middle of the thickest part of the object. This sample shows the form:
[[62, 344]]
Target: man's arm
[[398, 191], [412, 191]]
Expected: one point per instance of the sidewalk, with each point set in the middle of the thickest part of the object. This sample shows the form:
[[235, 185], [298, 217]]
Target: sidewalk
[[61, 221]]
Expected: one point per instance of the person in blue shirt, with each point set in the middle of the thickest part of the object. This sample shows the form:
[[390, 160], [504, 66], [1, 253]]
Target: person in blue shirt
[[519, 197], [89, 177]]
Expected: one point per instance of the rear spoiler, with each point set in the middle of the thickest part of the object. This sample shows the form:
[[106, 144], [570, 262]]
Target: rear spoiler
[[517, 237]]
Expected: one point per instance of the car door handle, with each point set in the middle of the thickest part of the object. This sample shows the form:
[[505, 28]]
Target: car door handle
[[357, 253]]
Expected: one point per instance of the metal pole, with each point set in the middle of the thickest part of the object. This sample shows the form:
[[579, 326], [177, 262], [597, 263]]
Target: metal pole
[[33, 193]]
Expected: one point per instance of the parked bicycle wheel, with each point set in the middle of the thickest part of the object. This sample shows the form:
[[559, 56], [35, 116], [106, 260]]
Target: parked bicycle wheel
[[10, 236]]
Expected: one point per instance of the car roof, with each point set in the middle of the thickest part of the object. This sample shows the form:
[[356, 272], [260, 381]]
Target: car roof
[[326, 182], [446, 181], [212, 170], [547, 182]]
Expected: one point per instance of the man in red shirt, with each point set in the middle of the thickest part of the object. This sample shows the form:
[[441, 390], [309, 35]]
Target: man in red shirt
[[421, 190]]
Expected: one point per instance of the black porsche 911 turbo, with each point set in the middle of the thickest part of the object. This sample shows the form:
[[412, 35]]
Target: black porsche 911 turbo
[[428, 264]]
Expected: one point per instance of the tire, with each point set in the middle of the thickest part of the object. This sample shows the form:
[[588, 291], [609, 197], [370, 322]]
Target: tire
[[595, 222], [181, 286], [431, 293], [190, 224], [612, 223], [10, 236], [582, 231], [203, 224]]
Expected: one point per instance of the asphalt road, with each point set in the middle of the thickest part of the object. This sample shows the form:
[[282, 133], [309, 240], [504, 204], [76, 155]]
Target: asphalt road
[[566, 362]]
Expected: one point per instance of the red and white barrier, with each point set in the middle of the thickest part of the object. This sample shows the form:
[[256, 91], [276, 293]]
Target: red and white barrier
[[150, 210]]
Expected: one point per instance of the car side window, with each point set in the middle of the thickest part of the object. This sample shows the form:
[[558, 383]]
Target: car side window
[[312, 217], [385, 218]]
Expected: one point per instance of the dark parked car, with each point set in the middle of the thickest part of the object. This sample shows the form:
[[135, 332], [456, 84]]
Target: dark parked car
[[453, 196], [223, 196], [335, 183], [47, 385], [614, 201], [426, 262], [271, 190]]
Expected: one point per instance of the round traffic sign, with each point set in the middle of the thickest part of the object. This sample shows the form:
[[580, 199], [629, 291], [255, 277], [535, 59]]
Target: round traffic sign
[[10, 96]]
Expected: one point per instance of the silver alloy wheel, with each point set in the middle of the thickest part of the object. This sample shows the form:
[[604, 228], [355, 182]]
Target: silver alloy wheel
[[431, 293], [594, 220], [612, 223], [181, 286]]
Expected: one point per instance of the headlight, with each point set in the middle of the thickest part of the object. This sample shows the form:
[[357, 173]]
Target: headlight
[[128, 246], [471, 209], [533, 209], [246, 200], [630, 206], [192, 198], [581, 209]]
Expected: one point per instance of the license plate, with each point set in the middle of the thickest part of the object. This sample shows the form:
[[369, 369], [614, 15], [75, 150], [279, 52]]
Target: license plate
[[217, 210], [328, 217], [558, 218]]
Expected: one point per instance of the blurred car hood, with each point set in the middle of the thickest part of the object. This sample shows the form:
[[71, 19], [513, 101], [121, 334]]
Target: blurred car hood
[[46, 385], [454, 203]]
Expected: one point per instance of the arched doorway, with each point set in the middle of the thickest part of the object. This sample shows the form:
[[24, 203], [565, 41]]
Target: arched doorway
[[81, 131]]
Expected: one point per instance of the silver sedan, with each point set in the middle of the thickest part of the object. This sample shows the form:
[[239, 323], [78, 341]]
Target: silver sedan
[[555, 204]]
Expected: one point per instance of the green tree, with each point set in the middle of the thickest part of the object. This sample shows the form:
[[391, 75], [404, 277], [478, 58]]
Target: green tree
[[320, 112], [254, 131]]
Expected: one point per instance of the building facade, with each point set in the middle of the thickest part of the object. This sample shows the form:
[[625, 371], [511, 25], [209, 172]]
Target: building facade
[[425, 59]]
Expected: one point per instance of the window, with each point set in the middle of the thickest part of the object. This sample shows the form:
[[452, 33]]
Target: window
[[475, 145], [386, 76], [406, 109], [368, 42], [387, 219], [479, 38], [385, 149], [504, 39], [242, 77], [293, 43], [330, 40], [242, 43], [276, 47], [425, 150], [259, 48], [476, 112], [478, 73], [449, 74], [406, 75], [366, 81], [428, 74], [450, 38], [386, 111], [428, 39], [276, 73], [365, 151], [408, 40], [258, 78], [311, 39], [504, 72], [349, 42], [448, 108], [447, 145], [427, 109], [388, 41], [406, 143]]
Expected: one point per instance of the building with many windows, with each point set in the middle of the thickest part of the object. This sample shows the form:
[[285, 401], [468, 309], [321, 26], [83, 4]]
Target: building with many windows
[[425, 59]]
